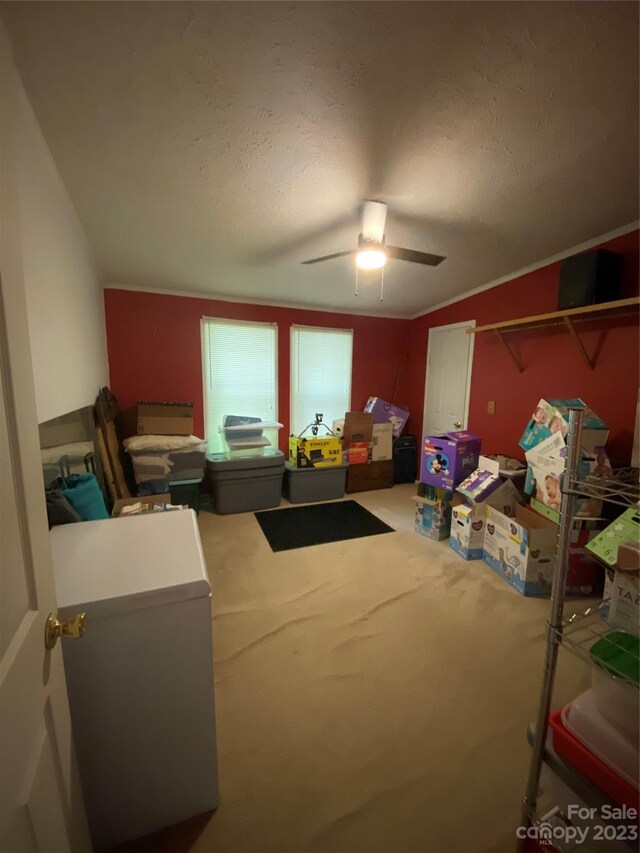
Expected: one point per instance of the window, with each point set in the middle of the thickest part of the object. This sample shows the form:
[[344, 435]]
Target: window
[[240, 373], [320, 374]]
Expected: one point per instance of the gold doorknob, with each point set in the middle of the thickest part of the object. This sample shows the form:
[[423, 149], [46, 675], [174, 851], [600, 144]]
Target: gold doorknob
[[458, 425], [54, 628]]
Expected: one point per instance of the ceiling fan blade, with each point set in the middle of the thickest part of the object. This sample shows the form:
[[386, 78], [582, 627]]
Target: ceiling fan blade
[[374, 217], [330, 257], [400, 254]]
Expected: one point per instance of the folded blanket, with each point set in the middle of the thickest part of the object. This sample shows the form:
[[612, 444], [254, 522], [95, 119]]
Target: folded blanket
[[138, 443]]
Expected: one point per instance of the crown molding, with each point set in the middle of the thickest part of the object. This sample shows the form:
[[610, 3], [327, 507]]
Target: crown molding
[[567, 253]]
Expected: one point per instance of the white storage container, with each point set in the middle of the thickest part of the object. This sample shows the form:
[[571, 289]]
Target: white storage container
[[584, 720], [245, 437], [618, 701]]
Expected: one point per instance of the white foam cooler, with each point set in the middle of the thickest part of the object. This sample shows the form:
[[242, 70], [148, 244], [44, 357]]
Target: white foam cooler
[[245, 484]]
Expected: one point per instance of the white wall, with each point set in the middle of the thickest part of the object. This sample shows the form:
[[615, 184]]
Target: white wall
[[64, 295]]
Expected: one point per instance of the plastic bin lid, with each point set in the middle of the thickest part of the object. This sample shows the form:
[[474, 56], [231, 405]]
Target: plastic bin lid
[[221, 462], [584, 720], [294, 470]]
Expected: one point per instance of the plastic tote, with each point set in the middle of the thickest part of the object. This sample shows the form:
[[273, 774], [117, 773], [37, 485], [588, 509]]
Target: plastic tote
[[245, 484]]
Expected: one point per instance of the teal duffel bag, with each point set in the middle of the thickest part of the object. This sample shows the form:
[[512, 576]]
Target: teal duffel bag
[[85, 496]]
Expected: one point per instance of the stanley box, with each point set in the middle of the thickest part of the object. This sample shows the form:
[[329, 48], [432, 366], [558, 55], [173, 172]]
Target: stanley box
[[314, 452], [165, 418]]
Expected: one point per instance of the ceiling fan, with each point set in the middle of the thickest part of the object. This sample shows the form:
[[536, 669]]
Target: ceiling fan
[[372, 252]]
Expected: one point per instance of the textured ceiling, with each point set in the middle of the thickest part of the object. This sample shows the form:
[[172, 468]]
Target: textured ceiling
[[213, 146]]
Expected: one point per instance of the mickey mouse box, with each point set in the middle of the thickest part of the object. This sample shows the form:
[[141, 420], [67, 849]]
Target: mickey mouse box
[[449, 458]]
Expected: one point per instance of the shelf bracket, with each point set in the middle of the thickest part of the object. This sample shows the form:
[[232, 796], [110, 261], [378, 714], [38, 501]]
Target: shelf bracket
[[502, 340], [579, 344]]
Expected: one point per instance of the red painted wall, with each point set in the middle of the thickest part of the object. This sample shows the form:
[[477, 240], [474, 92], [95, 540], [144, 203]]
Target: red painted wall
[[154, 349], [553, 367], [154, 353]]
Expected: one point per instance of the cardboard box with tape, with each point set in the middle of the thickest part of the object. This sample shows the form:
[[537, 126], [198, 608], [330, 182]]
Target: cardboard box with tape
[[165, 418]]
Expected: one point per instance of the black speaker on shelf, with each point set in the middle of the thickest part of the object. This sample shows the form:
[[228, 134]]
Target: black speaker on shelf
[[589, 278], [405, 460]]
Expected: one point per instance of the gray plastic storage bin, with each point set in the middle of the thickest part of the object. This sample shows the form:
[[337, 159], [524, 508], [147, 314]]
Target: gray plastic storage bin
[[245, 484], [305, 485]]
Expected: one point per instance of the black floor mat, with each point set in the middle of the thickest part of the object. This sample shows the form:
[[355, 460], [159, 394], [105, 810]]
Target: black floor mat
[[317, 524]]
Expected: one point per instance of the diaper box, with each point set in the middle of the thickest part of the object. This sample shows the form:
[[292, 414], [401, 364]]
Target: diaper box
[[626, 528], [433, 517], [546, 464], [467, 531], [522, 550], [622, 597], [484, 480], [448, 459], [552, 416], [387, 413], [468, 520]]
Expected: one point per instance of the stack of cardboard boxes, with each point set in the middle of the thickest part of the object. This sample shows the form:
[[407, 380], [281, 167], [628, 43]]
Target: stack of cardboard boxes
[[356, 440], [445, 462], [488, 519]]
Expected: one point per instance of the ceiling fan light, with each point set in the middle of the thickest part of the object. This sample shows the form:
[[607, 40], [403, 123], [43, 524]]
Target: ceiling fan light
[[370, 259]]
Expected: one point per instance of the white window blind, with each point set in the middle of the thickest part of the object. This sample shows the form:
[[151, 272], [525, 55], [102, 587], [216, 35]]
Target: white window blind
[[240, 373], [320, 374]]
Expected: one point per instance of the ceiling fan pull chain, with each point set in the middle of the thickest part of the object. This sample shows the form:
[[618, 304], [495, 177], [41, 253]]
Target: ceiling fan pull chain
[[356, 280], [381, 283]]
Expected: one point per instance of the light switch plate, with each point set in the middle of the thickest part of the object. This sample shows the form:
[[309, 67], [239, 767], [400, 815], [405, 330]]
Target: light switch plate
[[491, 407]]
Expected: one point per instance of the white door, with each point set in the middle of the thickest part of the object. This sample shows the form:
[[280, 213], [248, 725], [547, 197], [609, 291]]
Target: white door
[[41, 804], [448, 380]]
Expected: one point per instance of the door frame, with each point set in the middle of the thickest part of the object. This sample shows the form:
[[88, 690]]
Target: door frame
[[466, 324]]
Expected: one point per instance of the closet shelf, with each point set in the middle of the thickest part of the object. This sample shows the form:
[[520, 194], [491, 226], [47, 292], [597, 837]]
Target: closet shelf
[[581, 631], [621, 488], [567, 318]]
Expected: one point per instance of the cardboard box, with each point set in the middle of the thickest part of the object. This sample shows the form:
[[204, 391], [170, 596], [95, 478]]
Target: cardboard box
[[622, 593], [468, 520], [314, 452], [165, 418], [626, 528], [387, 413], [382, 445], [433, 518], [358, 426], [147, 501], [358, 453], [484, 480], [552, 416], [546, 464], [448, 459], [628, 559], [522, 550]]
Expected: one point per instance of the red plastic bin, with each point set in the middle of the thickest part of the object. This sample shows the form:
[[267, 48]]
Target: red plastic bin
[[571, 750]]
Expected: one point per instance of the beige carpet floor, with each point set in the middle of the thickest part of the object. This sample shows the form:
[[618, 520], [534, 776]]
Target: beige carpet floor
[[372, 695]]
